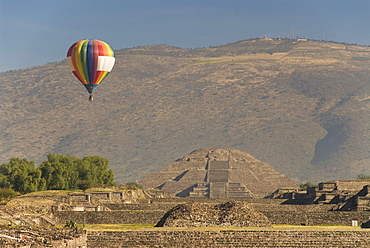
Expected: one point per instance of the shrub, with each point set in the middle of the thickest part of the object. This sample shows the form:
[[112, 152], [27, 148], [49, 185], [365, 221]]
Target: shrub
[[307, 185], [134, 185], [7, 194]]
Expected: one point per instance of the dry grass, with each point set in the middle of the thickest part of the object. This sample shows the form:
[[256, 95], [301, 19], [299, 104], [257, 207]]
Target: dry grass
[[31, 206], [162, 103], [118, 227], [51, 192], [242, 58]]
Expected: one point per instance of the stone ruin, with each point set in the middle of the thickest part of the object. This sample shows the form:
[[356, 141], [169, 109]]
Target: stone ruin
[[344, 195], [211, 175], [32, 236], [218, 173], [230, 213]]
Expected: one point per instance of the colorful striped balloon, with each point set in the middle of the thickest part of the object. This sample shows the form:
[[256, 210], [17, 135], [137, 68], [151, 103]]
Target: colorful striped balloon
[[90, 61]]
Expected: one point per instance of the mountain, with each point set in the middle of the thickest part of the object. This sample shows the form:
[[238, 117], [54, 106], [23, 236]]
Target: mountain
[[300, 106]]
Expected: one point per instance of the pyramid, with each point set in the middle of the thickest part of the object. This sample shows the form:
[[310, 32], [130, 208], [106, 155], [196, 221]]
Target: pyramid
[[218, 173]]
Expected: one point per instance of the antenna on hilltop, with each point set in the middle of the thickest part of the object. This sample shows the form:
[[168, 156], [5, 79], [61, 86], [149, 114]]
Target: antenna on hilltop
[[294, 33]]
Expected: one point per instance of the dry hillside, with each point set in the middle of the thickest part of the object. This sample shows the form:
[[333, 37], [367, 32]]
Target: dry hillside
[[302, 107]]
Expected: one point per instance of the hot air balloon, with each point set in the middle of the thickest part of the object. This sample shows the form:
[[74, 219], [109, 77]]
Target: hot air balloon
[[90, 61]]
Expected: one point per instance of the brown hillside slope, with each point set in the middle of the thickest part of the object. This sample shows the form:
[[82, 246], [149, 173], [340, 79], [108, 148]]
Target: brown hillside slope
[[302, 107]]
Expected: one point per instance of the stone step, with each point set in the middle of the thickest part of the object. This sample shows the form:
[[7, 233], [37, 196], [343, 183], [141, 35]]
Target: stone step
[[234, 184], [308, 239], [232, 194], [198, 194], [234, 188], [199, 189]]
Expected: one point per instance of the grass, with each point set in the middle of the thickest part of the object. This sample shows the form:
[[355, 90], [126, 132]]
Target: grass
[[241, 58], [65, 192], [117, 227], [317, 228], [51, 193]]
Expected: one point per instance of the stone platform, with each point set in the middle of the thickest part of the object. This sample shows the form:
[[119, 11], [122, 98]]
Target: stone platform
[[230, 239]]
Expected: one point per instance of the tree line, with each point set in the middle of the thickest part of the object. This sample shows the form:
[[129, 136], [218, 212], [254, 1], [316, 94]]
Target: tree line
[[58, 172]]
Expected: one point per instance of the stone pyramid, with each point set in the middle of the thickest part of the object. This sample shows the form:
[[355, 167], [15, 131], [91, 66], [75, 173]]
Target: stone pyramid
[[218, 173]]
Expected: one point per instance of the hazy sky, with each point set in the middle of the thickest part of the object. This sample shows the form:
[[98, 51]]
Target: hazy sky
[[35, 32]]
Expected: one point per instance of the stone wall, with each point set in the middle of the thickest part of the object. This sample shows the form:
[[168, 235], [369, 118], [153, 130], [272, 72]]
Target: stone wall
[[133, 206], [153, 216], [151, 213], [25, 236], [109, 217], [316, 218], [270, 238]]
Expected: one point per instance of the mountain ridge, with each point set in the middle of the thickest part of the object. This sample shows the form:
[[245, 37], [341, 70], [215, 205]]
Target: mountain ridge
[[300, 106]]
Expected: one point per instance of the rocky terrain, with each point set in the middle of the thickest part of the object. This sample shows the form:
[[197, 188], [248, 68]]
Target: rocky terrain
[[27, 236], [231, 213]]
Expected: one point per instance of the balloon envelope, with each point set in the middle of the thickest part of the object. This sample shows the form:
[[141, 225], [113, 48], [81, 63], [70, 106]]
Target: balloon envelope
[[90, 61]]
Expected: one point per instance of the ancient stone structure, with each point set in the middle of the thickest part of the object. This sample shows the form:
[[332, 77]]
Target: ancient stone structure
[[277, 213], [344, 195], [148, 208], [218, 173], [27, 236], [230, 213], [248, 238]]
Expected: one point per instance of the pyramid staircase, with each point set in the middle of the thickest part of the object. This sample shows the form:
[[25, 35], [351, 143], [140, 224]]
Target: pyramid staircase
[[200, 190], [221, 190], [238, 191], [217, 184]]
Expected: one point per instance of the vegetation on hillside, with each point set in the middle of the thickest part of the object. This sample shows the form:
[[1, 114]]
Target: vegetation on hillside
[[134, 185], [307, 185], [6, 195], [302, 107], [58, 172], [363, 177]]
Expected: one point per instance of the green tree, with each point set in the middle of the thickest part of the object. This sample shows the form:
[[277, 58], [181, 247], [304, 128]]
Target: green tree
[[4, 183], [307, 185], [21, 175], [60, 171], [70, 224], [363, 177], [85, 184], [96, 169], [68, 172], [134, 185], [7, 194]]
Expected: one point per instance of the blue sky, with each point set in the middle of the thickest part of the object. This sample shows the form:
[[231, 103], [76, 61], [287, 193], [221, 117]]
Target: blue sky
[[35, 32]]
